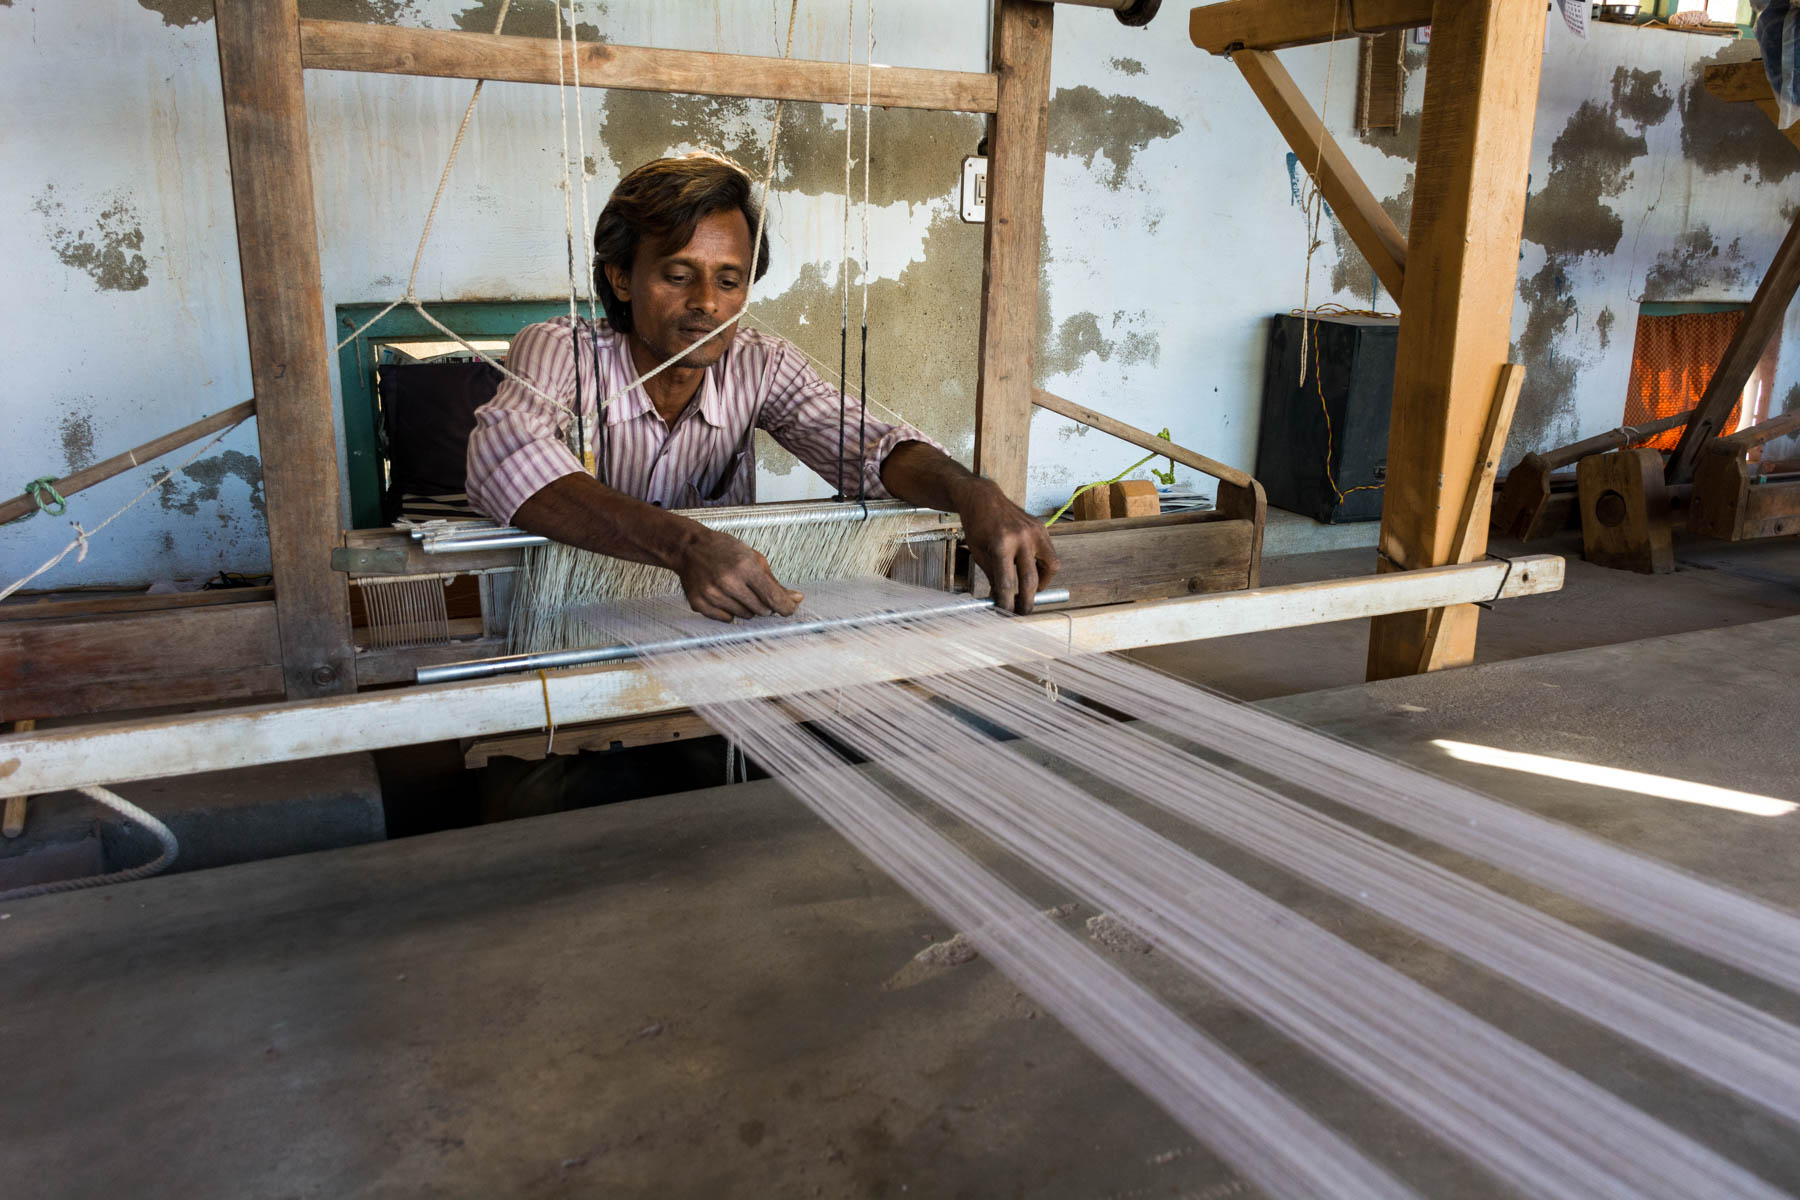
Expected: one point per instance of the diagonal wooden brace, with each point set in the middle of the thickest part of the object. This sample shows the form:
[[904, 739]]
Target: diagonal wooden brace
[[1354, 205]]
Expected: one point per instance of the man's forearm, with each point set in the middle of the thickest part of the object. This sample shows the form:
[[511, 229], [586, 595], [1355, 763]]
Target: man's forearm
[[579, 510], [920, 473], [1007, 543]]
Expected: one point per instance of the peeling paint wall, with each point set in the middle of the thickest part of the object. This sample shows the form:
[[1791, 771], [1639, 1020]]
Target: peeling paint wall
[[1172, 209]]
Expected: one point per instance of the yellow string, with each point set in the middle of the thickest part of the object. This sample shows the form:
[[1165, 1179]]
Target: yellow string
[[549, 720], [1088, 487], [1319, 386]]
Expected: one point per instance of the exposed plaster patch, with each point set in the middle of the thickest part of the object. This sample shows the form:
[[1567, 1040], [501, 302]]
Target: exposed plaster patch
[[1590, 160], [1084, 123], [918, 155], [1721, 137], [526, 18], [1696, 265], [1079, 336], [1603, 324], [1546, 408], [1352, 272], [1127, 66], [107, 245], [922, 343], [1077, 430], [1640, 96], [209, 475], [77, 432]]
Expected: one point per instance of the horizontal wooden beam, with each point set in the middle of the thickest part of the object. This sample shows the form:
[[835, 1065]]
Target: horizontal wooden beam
[[1739, 81], [394, 50], [1137, 437], [1277, 24], [100, 664], [138, 456], [1351, 201], [126, 604], [58, 759]]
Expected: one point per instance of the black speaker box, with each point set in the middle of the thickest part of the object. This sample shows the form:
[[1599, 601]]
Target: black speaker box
[[1350, 375]]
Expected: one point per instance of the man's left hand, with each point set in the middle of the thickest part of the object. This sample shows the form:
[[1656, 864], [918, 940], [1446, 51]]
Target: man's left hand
[[1011, 547]]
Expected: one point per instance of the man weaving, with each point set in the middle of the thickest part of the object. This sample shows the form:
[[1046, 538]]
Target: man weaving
[[672, 253]]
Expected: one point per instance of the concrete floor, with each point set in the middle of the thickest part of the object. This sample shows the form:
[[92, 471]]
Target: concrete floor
[[711, 995]]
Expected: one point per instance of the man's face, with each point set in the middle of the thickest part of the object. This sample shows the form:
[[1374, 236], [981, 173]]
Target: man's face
[[678, 298]]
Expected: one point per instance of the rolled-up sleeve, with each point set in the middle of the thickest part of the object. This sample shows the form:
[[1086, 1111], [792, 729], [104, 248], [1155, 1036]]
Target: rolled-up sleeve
[[801, 412], [516, 448]]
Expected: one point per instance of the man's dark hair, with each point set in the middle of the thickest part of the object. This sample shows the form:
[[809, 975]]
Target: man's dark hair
[[662, 201]]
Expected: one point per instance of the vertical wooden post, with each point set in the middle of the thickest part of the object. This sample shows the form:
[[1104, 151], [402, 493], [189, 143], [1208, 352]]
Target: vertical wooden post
[[278, 256], [1017, 137], [1456, 314]]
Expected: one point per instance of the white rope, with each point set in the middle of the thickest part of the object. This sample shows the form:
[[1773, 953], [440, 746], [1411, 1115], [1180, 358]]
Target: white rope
[[1316, 197], [131, 812], [762, 221], [412, 280], [82, 535]]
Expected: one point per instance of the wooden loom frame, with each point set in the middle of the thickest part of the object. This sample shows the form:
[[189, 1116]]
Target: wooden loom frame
[[264, 49], [297, 641], [1455, 272]]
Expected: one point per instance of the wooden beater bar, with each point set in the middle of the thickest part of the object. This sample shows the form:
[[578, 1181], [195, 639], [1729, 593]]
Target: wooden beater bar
[[56, 759]]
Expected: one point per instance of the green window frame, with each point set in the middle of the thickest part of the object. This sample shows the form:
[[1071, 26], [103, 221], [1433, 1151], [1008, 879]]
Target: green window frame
[[475, 320]]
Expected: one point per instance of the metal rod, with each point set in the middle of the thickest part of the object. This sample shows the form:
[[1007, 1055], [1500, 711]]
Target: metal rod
[[505, 537], [549, 660]]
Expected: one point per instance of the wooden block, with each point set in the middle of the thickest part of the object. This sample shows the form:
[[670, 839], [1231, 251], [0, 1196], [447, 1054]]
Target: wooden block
[[1151, 558], [1625, 511], [1095, 504], [1135, 498]]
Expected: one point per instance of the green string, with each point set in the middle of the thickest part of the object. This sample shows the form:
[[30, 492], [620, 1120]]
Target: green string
[[36, 489], [1167, 477]]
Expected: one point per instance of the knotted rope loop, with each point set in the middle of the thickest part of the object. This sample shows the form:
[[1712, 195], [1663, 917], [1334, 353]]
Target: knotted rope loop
[[37, 488]]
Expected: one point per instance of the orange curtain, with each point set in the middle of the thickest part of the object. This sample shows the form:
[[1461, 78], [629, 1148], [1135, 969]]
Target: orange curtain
[[1675, 357]]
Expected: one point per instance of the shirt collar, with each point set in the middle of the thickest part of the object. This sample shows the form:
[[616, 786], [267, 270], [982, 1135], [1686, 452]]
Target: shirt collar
[[636, 402]]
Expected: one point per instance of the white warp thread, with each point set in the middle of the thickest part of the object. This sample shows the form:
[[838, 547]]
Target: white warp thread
[[1525, 1118]]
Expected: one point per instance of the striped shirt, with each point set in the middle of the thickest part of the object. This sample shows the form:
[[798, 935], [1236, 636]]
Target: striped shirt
[[707, 458]]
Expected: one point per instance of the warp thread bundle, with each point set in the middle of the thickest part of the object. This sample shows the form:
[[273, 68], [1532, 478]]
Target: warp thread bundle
[[1528, 1120]]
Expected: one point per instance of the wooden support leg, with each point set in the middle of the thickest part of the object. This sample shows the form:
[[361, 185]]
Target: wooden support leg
[[1017, 139], [12, 823], [1625, 511], [1463, 265], [1469, 530], [284, 308]]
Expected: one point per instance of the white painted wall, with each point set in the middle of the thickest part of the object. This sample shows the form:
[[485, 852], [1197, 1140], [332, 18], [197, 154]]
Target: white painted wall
[[1180, 255]]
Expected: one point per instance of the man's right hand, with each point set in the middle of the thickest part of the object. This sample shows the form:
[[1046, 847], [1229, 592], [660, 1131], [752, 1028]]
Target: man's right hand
[[725, 579]]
